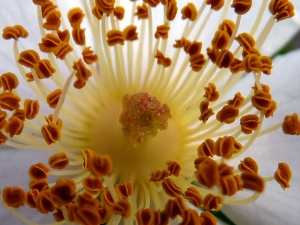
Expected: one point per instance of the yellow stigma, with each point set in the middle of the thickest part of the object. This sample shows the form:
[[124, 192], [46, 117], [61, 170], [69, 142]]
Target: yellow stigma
[[135, 104]]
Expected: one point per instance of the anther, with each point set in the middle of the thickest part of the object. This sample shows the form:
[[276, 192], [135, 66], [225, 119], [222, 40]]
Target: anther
[[162, 60], [248, 165], [211, 93], [14, 126], [29, 58], [227, 114], [162, 31], [78, 35], [9, 101], [9, 81], [207, 148], [206, 112], [14, 32], [283, 175], [171, 10], [50, 43], [206, 171], [212, 202], [58, 160], [31, 108], [44, 202], [208, 218], [291, 124], [101, 165], [14, 196], [252, 181], [170, 188], [63, 191], [124, 190], [119, 12], [53, 97], [215, 4], [38, 171], [31, 197], [92, 185], [75, 16], [193, 195], [123, 208], [142, 11], [237, 101], [245, 40], [241, 7], [152, 3], [189, 12], [106, 6], [281, 9], [130, 33], [249, 123], [40, 185], [115, 37], [52, 20]]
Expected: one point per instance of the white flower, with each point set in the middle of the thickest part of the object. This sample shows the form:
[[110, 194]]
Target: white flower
[[126, 131]]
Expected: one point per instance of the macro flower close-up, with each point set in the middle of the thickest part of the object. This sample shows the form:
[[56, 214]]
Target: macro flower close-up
[[149, 112]]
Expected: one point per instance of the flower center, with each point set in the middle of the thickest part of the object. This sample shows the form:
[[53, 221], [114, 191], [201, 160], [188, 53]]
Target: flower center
[[127, 132]]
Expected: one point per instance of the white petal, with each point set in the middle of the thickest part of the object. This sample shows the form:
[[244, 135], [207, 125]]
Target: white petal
[[276, 206]]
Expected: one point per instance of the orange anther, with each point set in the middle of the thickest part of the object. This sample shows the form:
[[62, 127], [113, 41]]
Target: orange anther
[[175, 207], [89, 56], [82, 74], [162, 60], [14, 196], [44, 202], [78, 35], [215, 4], [50, 43], [130, 33], [162, 31], [52, 20], [220, 40], [212, 202], [241, 6], [248, 165], [14, 32], [106, 6], [152, 3], [53, 97], [281, 9], [159, 175], [142, 11], [29, 58], [144, 216], [97, 12], [245, 40], [119, 12], [123, 208], [92, 185], [229, 185], [101, 165], [174, 168], [227, 114], [75, 16], [237, 101], [124, 190], [252, 181], [31, 197], [189, 12], [171, 188], [14, 126], [207, 148], [194, 196], [63, 191], [115, 37], [291, 124], [206, 112], [197, 61], [38, 171], [171, 10], [9, 81], [211, 93], [283, 175], [58, 161], [31, 108], [40, 185], [208, 218], [9, 101], [206, 171], [249, 123]]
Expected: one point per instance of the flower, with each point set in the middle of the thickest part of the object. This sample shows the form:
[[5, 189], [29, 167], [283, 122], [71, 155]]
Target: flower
[[141, 118]]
